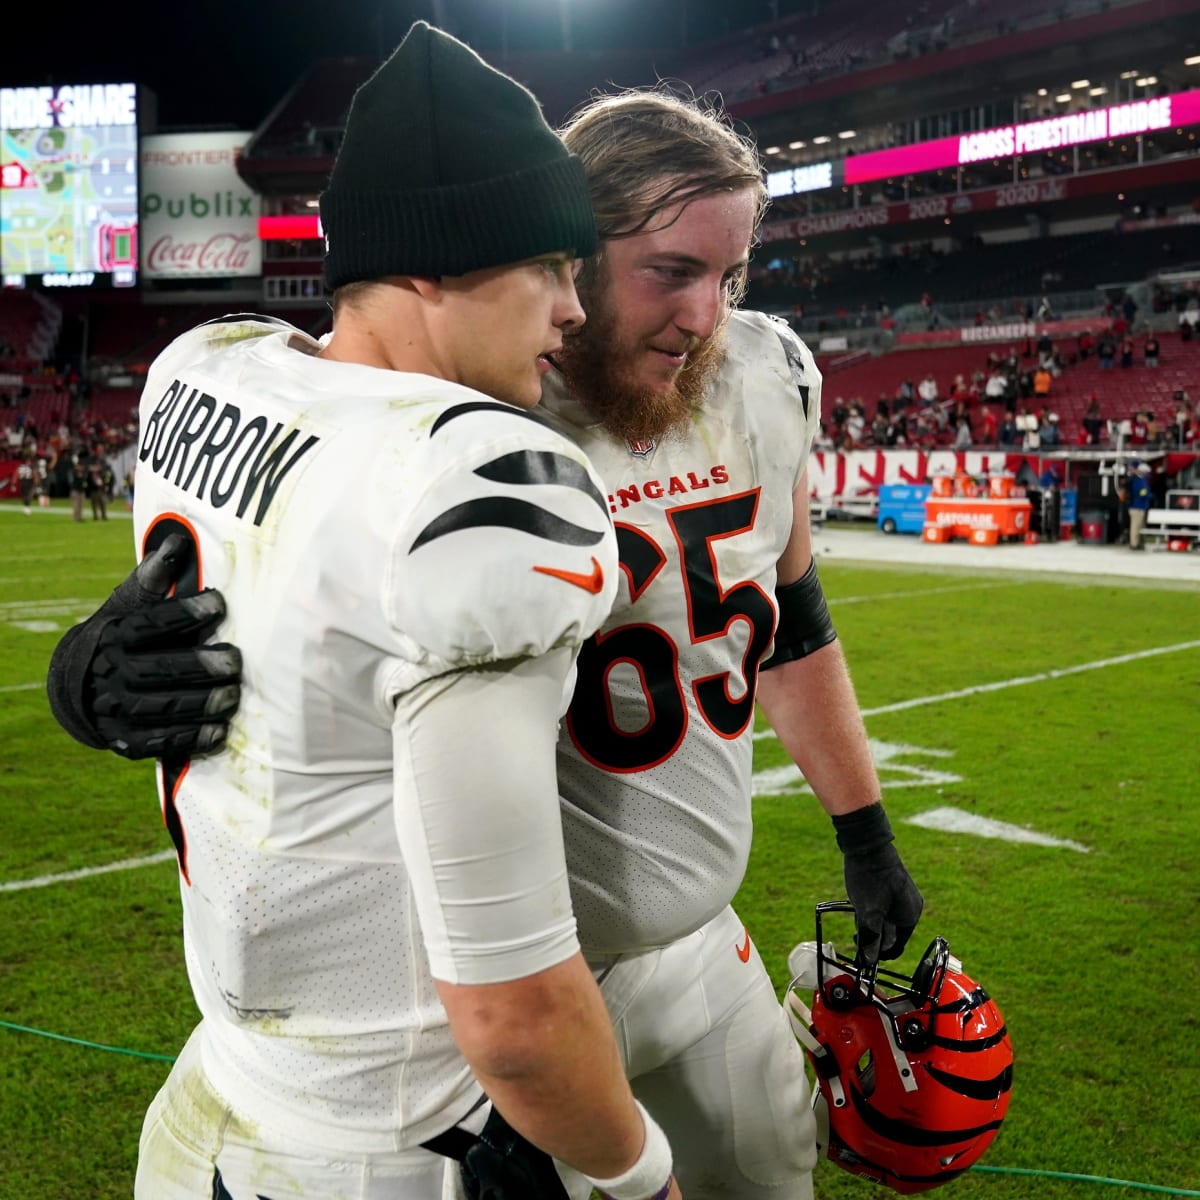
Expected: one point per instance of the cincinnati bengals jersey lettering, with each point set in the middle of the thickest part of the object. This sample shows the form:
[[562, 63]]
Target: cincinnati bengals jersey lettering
[[655, 754], [422, 530]]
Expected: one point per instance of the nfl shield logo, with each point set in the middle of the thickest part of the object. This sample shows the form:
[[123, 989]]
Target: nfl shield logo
[[641, 447]]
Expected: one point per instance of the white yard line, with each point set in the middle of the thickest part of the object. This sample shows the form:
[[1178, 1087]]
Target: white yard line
[[126, 864], [1021, 680], [923, 592], [999, 685], [1017, 681]]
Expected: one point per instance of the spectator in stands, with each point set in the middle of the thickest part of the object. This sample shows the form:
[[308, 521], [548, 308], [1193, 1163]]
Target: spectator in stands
[[1183, 427], [1086, 344], [1041, 382], [1048, 431], [1092, 423], [1138, 496], [1128, 309], [1106, 351], [996, 385], [1138, 428], [927, 390], [1127, 352], [1009, 434], [962, 436], [1150, 350], [1188, 320], [856, 423], [989, 427]]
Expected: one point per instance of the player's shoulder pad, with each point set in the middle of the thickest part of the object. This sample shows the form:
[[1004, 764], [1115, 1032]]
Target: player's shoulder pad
[[205, 339], [769, 341], [507, 549]]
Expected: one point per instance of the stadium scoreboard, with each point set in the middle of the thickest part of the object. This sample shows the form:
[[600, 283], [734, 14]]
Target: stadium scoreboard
[[69, 185]]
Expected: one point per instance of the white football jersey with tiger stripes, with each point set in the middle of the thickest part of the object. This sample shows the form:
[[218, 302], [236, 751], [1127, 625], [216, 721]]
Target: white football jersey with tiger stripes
[[370, 530], [655, 757]]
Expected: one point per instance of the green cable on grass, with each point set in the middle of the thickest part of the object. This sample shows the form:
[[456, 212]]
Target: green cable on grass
[[62, 1037], [1145, 1187]]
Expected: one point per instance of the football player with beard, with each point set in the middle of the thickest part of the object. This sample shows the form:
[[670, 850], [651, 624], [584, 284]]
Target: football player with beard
[[699, 418]]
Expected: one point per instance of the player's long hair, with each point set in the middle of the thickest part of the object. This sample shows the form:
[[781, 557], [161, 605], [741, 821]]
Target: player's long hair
[[647, 150]]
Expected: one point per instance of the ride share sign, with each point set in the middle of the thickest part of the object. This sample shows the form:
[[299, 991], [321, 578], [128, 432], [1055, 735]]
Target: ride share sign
[[199, 219]]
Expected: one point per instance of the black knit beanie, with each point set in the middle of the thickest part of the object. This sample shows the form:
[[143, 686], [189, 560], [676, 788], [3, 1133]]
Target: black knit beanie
[[448, 166]]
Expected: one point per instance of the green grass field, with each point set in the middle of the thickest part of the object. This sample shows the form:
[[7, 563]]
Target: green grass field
[[1093, 957]]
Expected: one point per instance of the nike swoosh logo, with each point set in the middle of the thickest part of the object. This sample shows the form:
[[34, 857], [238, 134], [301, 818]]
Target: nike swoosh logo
[[743, 951], [591, 582]]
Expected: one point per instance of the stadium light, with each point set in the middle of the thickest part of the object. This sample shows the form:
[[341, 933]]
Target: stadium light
[[1063, 98], [1081, 83], [1129, 74], [848, 133], [797, 145], [1147, 81], [1042, 92], [771, 150], [820, 141], [1097, 91], [1194, 61]]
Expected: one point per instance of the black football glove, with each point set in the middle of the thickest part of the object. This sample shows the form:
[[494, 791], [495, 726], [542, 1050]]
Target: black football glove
[[887, 903], [502, 1165], [135, 677]]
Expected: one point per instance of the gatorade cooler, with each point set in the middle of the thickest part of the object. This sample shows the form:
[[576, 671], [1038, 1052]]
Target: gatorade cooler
[[1031, 538], [984, 537], [1000, 486], [943, 485], [933, 532]]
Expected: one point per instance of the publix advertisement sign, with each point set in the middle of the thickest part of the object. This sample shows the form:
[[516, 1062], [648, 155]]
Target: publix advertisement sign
[[199, 219]]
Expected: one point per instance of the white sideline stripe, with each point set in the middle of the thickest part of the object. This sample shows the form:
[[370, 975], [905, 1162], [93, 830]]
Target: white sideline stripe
[[921, 593], [1041, 677], [956, 820], [21, 687], [126, 864]]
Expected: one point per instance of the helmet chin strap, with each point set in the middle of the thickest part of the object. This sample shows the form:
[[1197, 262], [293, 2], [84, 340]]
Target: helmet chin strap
[[800, 1017], [903, 1066]]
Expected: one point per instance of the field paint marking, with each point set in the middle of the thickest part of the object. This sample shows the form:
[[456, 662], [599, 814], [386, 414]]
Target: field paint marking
[[956, 820], [125, 864], [788, 781], [774, 780], [22, 580], [1041, 677], [114, 513], [921, 593], [45, 607]]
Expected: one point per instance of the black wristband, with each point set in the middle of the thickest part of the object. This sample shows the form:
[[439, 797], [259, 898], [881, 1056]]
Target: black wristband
[[863, 831]]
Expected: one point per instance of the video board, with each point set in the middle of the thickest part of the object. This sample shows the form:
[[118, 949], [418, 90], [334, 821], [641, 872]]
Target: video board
[[69, 185]]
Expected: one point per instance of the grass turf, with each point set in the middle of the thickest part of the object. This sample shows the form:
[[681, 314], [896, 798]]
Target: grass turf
[[1092, 956]]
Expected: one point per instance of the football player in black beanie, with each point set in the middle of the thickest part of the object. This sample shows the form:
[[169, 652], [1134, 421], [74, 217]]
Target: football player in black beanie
[[376, 911]]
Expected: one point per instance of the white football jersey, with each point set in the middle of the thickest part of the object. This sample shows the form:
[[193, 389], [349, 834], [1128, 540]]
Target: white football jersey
[[654, 760], [370, 530]]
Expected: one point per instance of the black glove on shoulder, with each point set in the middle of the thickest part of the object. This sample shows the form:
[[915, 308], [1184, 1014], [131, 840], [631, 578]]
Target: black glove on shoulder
[[135, 677], [502, 1165], [887, 903]]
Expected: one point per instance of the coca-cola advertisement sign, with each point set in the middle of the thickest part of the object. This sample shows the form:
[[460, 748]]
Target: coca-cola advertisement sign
[[199, 220]]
